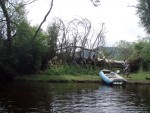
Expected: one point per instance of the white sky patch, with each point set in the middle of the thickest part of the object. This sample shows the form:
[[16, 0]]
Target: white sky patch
[[120, 20]]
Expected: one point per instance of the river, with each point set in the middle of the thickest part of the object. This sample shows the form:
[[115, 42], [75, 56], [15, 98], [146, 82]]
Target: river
[[37, 97]]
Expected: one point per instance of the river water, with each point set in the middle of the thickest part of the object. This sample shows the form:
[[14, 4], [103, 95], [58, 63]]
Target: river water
[[36, 97]]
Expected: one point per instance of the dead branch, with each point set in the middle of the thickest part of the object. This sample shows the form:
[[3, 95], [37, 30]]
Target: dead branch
[[99, 39], [43, 21], [96, 3]]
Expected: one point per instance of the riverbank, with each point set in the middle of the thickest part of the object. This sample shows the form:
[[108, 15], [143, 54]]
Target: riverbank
[[134, 78], [74, 79], [60, 78], [65, 73]]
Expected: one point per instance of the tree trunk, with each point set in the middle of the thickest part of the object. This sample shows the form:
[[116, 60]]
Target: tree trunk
[[9, 39]]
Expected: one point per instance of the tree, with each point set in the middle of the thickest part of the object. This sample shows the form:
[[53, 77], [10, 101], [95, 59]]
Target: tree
[[11, 13], [17, 53], [125, 49], [73, 40], [139, 57], [143, 11], [142, 49], [52, 35], [27, 57]]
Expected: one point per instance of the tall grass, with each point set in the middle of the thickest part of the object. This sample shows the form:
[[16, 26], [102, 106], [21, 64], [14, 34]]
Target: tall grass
[[140, 76], [70, 70], [65, 73]]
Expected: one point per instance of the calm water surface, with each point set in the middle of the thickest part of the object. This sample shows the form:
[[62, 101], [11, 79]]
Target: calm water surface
[[30, 97]]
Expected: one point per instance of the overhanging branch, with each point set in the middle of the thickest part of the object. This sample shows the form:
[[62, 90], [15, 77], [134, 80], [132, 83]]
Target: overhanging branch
[[43, 20]]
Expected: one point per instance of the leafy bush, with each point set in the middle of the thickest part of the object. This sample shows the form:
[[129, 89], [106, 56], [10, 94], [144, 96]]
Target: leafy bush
[[28, 53]]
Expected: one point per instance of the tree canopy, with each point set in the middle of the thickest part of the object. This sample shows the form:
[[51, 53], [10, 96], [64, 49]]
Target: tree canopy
[[143, 11]]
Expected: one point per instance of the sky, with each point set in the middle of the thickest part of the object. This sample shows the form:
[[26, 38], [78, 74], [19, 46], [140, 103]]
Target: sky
[[121, 21]]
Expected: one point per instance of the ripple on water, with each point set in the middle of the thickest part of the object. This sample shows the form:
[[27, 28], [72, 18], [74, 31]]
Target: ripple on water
[[73, 98]]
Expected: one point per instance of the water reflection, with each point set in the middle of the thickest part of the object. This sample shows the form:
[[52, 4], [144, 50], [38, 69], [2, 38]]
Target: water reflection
[[27, 97], [123, 99]]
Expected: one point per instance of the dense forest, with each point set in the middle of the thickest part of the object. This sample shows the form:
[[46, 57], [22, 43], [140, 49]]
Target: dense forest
[[26, 49]]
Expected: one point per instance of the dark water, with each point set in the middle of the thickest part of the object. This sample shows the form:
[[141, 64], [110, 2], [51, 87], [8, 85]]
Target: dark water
[[29, 97]]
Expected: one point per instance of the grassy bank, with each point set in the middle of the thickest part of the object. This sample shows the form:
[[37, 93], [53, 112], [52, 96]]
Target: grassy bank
[[64, 74], [61, 78], [140, 76], [77, 74]]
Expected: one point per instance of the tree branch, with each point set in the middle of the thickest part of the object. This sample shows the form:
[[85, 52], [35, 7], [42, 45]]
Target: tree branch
[[96, 3], [43, 20], [6, 15]]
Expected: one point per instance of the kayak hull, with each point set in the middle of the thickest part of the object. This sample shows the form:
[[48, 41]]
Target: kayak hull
[[112, 78]]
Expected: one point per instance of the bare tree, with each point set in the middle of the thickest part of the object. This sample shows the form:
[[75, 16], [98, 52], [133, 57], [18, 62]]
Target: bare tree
[[75, 38]]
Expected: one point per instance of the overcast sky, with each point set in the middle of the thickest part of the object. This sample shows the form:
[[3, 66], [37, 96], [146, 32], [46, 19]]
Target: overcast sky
[[120, 20]]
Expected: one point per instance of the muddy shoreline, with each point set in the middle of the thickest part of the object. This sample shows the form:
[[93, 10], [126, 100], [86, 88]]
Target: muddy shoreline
[[86, 81], [138, 83]]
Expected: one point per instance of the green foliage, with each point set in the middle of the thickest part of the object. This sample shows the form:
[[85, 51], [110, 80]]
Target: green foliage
[[144, 13], [28, 55], [136, 50], [14, 10], [18, 51], [52, 33], [64, 73], [146, 56], [69, 70], [140, 76], [125, 50], [142, 51]]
